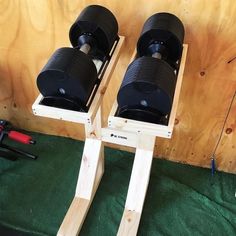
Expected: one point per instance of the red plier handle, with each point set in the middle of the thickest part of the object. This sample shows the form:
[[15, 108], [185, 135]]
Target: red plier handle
[[19, 137]]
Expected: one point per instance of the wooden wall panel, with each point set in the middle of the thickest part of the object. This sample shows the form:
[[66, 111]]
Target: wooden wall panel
[[32, 29]]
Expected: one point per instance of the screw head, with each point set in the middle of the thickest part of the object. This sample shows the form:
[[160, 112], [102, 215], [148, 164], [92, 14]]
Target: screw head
[[62, 91], [144, 103]]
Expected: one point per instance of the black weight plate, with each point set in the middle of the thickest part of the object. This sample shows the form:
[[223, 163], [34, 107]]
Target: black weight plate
[[148, 82], [64, 103], [98, 22], [142, 114], [68, 73], [164, 28]]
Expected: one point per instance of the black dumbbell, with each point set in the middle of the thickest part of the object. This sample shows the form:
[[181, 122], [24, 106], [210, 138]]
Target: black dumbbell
[[147, 90], [69, 77], [162, 37], [95, 29]]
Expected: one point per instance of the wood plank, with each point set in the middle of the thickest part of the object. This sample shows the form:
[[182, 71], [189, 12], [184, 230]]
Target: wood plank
[[135, 126], [178, 88], [130, 222], [140, 173], [138, 184], [139, 180], [88, 168], [90, 174], [93, 130], [75, 217], [119, 137], [58, 113]]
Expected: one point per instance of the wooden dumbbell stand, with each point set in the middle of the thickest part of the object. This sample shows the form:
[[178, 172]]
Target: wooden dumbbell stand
[[121, 131]]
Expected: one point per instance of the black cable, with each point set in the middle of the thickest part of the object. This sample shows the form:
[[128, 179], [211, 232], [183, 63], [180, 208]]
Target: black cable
[[225, 120], [221, 133]]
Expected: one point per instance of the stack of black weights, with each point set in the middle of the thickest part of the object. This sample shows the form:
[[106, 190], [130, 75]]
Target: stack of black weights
[[147, 91], [69, 77]]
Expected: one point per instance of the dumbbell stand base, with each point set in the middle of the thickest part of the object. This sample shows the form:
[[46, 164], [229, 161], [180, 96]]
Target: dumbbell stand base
[[125, 132], [140, 135]]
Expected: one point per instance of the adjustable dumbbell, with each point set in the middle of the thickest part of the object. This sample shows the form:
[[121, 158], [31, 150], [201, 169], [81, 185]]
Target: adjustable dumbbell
[[70, 75], [162, 37], [147, 90]]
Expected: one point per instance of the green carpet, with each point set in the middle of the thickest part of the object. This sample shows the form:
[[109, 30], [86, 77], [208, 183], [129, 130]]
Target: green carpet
[[181, 200]]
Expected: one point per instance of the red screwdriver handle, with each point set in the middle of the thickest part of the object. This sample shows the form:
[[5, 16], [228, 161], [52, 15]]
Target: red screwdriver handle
[[19, 137]]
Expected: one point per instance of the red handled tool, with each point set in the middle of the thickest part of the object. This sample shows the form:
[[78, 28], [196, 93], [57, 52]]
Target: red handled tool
[[19, 137], [7, 151]]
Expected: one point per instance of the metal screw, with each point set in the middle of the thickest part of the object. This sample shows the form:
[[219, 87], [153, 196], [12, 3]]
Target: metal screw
[[144, 103], [62, 91]]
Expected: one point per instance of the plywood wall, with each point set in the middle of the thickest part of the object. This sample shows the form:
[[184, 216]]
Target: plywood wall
[[30, 30]]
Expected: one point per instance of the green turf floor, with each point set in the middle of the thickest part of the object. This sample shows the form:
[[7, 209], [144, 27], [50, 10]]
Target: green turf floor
[[181, 200]]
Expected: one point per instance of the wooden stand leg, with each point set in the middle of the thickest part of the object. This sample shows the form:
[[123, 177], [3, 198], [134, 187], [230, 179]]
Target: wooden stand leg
[[91, 171], [137, 187], [90, 174]]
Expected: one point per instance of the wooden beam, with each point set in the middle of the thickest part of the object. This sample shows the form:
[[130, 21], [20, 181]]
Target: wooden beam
[[138, 186], [76, 213], [129, 223], [90, 174], [178, 87]]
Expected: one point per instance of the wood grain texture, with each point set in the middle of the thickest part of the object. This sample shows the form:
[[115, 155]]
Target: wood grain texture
[[32, 29], [129, 223], [75, 217]]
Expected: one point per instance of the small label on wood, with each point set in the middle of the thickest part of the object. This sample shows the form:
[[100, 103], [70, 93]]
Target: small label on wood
[[118, 136]]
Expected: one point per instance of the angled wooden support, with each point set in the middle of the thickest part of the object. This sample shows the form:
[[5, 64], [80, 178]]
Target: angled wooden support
[[90, 174], [137, 186], [91, 171]]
